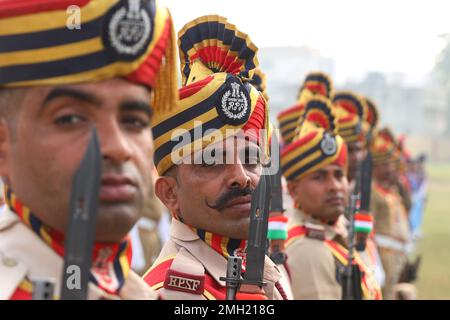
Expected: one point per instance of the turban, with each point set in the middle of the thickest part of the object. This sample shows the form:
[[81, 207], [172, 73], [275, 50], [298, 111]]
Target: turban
[[259, 81], [316, 83], [351, 110], [217, 99], [384, 147], [41, 44], [316, 145], [372, 118]]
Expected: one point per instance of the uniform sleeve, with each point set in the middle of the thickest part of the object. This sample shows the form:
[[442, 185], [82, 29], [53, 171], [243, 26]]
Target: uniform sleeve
[[184, 279], [313, 271]]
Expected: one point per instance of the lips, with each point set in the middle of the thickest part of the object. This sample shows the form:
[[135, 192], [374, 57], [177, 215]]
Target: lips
[[240, 204], [115, 188], [335, 201]]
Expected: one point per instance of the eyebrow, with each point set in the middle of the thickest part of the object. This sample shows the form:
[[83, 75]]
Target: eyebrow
[[73, 93], [137, 105], [88, 97]]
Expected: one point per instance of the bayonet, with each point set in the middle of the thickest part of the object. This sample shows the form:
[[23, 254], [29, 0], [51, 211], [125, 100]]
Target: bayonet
[[80, 234], [366, 187], [256, 244], [351, 280], [257, 240], [276, 203], [366, 182]]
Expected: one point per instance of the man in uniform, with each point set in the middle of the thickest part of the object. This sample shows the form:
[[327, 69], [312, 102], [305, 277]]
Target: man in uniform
[[351, 111], [391, 220], [316, 83], [216, 136], [315, 166], [56, 84], [355, 122]]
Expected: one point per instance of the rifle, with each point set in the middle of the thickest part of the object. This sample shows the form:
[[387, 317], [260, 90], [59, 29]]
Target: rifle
[[366, 187], [276, 206], [81, 229], [43, 289], [351, 280], [256, 247]]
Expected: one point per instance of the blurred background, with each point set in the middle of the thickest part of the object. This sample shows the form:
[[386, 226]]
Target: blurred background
[[395, 52]]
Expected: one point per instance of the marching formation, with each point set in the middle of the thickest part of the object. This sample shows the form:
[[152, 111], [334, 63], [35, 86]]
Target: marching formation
[[97, 144]]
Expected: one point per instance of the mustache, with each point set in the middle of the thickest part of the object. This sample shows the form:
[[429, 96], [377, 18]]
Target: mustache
[[228, 196], [119, 169]]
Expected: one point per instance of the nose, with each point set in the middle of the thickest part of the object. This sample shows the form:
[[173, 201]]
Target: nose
[[237, 176], [334, 184], [113, 143]]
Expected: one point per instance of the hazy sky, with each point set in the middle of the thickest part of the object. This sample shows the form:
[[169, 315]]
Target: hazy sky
[[360, 35]]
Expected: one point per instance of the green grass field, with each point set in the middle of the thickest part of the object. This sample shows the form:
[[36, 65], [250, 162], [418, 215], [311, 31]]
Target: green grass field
[[434, 275]]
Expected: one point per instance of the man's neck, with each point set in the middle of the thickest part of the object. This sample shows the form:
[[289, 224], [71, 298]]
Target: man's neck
[[323, 220]]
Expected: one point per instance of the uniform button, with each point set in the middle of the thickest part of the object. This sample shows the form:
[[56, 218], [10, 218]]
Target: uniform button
[[9, 262]]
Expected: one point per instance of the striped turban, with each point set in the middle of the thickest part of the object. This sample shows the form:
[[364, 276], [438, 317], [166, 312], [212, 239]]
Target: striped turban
[[217, 99], [43, 43], [372, 118], [316, 83], [316, 145], [384, 148], [351, 110]]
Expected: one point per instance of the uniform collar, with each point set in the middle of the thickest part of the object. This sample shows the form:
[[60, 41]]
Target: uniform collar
[[214, 263], [19, 242], [331, 231]]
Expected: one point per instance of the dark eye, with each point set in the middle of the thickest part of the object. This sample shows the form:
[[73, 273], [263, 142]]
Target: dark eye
[[317, 177], [339, 175], [251, 157], [207, 164], [211, 162], [69, 119], [136, 122]]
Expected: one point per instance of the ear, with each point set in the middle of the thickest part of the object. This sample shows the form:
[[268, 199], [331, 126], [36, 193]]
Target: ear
[[292, 186], [166, 191], [4, 149]]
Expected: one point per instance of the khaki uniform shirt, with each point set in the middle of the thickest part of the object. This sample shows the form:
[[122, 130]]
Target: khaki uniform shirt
[[188, 269], [390, 214], [391, 234], [23, 254], [312, 265]]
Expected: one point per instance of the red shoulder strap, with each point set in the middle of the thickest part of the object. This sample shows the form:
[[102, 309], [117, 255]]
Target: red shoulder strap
[[294, 233], [157, 274], [23, 292]]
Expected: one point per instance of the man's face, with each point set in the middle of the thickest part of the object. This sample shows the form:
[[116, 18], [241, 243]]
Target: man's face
[[386, 172], [357, 152], [53, 128], [322, 194], [217, 197]]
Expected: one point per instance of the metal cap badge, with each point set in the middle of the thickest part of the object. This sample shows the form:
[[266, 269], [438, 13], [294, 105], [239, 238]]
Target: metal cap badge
[[233, 105], [328, 145], [128, 28]]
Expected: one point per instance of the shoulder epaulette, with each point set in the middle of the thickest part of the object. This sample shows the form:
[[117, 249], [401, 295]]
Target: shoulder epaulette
[[315, 231]]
